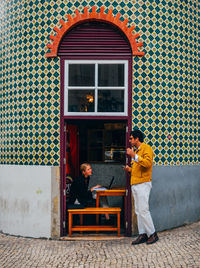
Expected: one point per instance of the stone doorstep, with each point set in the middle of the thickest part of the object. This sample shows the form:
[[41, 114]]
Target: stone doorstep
[[91, 237]]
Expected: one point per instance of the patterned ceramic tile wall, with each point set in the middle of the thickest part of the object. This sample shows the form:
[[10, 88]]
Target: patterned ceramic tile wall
[[165, 80]]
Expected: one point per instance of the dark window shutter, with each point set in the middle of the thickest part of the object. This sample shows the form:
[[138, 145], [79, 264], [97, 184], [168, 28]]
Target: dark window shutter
[[94, 39]]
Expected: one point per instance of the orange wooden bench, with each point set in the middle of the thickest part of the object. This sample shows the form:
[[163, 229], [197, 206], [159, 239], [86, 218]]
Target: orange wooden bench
[[93, 210]]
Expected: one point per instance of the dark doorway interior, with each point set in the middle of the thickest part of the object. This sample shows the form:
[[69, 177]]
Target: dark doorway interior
[[102, 143]]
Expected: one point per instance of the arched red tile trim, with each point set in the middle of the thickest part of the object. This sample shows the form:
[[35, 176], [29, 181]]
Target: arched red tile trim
[[89, 16]]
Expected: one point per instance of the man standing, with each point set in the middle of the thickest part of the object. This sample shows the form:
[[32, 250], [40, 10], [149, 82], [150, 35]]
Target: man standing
[[141, 169]]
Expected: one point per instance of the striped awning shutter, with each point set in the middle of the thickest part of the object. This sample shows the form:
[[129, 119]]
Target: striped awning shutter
[[94, 39]]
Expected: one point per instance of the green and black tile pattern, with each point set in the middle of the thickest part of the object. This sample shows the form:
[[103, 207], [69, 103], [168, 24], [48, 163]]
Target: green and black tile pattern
[[165, 81]]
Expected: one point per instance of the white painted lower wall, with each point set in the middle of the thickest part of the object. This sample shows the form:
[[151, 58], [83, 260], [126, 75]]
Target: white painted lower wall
[[26, 200]]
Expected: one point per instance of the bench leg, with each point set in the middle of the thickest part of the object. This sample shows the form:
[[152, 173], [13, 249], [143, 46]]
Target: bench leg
[[81, 221], [70, 224], [97, 222], [118, 223]]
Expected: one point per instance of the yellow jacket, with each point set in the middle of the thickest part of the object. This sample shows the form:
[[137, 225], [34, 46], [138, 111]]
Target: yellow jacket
[[141, 170]]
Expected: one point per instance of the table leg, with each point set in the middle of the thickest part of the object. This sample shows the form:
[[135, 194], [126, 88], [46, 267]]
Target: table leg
[[97, 205], [97, 201]]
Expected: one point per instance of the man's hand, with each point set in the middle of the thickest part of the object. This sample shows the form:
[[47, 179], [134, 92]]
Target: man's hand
[[127, 168], [130, 152]]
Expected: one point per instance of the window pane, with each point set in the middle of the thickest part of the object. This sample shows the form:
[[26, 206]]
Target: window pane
[[81, 74], [81, 100], [111, 75], [110, 100]]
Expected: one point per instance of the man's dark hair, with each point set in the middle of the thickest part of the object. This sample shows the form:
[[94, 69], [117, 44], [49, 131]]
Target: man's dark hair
[[136, 133]]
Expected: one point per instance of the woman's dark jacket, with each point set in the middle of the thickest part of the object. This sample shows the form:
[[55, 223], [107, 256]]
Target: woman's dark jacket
[[79, 190]]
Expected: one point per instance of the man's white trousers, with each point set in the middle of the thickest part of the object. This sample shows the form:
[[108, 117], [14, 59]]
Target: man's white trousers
[[141, 194]]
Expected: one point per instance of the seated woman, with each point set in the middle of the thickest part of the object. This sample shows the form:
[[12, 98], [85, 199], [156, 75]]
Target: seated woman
[[79, 193]]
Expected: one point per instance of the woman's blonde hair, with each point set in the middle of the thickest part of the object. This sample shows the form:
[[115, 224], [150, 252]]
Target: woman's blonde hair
[[84, 166]]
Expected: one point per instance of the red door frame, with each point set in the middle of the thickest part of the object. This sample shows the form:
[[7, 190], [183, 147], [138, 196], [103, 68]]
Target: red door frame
[[62, 122]]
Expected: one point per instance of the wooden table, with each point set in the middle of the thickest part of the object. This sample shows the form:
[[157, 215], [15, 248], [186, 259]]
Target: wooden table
[[111, 192]]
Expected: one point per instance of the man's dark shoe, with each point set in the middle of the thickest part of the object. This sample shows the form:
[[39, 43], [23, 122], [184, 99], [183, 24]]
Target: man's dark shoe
[[142, 238], [152, 238]]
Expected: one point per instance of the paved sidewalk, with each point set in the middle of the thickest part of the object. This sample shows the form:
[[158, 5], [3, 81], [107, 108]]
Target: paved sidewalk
[[179, 247]]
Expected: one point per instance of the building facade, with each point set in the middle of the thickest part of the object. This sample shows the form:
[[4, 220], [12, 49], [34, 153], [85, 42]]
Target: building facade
[[158, 53]]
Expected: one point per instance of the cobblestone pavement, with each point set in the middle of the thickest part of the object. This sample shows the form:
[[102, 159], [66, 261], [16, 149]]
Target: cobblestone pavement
[[178, 247]]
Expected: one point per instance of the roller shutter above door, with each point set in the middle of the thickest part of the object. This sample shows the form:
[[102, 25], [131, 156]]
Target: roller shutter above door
[[94, 39]]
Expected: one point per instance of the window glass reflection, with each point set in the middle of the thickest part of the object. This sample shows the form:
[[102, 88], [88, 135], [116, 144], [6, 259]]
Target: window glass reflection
[[110, 75], [81, 100], [110, 100], [81, 74]]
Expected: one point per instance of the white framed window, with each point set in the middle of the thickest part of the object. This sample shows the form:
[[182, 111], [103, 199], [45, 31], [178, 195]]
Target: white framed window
[[96, 87]]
